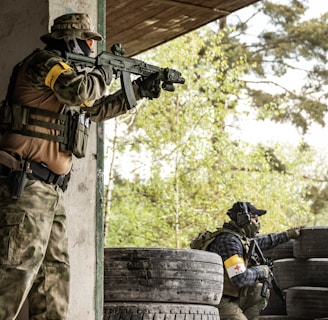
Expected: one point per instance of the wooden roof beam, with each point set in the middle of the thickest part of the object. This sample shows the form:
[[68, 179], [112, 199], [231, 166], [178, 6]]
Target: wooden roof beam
[[192, 6]]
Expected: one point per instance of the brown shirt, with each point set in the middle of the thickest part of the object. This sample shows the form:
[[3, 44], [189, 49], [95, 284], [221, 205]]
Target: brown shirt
[[71, 88]]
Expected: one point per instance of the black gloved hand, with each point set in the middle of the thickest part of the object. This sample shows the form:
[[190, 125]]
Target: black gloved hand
[[107, 73], [149, 87], [294, 233]]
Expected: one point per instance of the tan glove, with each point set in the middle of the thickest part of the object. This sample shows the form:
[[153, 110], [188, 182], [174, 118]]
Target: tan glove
[[266, 271], [294, 233]]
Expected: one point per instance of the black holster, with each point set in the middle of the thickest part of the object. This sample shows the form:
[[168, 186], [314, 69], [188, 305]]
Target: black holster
[[18, 180]]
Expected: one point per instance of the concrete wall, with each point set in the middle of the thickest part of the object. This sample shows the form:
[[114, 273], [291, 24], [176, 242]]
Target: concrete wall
[[21, 24]]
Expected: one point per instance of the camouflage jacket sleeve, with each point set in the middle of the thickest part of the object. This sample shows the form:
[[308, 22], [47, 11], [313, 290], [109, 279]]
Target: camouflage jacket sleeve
[[71, 88], [110, 106]]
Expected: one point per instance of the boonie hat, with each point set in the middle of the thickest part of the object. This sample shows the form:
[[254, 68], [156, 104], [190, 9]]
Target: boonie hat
[[77, 25]]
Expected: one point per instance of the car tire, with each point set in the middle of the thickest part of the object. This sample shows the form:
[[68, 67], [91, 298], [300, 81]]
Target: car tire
[[301, 272], [307, 302], [162, 275], [311, 243], [158, 311], [277, 317], [281, 251]]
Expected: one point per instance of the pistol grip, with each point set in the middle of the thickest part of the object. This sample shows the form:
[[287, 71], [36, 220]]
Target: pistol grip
[[127, 88]]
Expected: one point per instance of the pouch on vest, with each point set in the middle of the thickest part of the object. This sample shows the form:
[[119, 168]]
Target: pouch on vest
[[78, 127], [13, 117], [81, 135], [5, 116]]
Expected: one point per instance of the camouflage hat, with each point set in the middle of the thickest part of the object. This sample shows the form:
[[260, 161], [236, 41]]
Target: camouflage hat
[[77, 25]]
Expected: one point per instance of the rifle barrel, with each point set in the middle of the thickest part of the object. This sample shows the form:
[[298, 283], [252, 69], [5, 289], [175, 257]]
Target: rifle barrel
[[121, 63]]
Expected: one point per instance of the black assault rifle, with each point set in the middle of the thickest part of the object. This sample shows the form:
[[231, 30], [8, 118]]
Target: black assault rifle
[[123, 67], [257, 258]]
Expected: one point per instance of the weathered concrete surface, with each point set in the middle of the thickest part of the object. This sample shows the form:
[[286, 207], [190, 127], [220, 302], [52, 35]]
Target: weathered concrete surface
[[21, 25]]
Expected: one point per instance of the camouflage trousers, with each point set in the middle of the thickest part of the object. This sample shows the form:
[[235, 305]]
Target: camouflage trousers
[[34, 262], [247, 307]]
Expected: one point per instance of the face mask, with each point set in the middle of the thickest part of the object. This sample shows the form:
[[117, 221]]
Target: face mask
[[77, 46], [252, 229]]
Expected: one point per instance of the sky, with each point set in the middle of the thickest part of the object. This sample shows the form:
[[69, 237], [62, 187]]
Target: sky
[[265, 131]]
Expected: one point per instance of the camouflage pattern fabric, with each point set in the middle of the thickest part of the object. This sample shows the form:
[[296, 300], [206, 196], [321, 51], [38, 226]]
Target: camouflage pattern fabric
[[77, 25], [34, 260], [247, 307], [71, 89]]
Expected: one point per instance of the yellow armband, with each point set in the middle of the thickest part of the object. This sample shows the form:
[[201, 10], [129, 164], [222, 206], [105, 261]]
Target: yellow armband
[[234, 265], [55, 72], [87, 104]]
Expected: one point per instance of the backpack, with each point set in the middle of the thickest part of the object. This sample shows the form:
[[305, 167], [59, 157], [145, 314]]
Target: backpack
[[204, 239]]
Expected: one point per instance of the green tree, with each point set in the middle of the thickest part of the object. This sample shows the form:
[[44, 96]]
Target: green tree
[[287, 44], [196, 169]]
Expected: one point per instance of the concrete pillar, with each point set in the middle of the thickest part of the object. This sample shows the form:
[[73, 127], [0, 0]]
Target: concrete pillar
[[21, 25]]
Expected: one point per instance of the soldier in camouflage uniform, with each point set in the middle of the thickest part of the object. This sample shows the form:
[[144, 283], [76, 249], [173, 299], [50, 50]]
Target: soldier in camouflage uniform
[[43, 122], [242, 299]]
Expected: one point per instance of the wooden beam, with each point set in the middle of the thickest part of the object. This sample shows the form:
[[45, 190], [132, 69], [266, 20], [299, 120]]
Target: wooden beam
[[192, 6]]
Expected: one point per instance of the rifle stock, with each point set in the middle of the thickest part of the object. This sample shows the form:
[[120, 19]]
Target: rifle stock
[[123, 67]]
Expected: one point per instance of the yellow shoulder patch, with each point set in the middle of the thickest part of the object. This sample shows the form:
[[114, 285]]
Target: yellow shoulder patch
[[55, 72]]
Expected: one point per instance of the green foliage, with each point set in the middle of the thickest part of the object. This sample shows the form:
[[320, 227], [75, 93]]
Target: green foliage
[[284, 46], [169, 212], [193, 167]]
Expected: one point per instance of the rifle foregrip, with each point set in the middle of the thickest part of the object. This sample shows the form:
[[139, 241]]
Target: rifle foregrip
[[168, 86]]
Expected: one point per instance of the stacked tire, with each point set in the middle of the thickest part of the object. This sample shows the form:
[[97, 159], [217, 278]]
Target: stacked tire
[[276, 306], [158, 283], [303, 277]]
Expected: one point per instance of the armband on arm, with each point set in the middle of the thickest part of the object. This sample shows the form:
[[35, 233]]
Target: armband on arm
[[234, 265], [55, 72]]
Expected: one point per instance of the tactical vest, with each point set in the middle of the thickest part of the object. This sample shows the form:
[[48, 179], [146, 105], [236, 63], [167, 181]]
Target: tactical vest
[[70, 130], [202, 242]]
